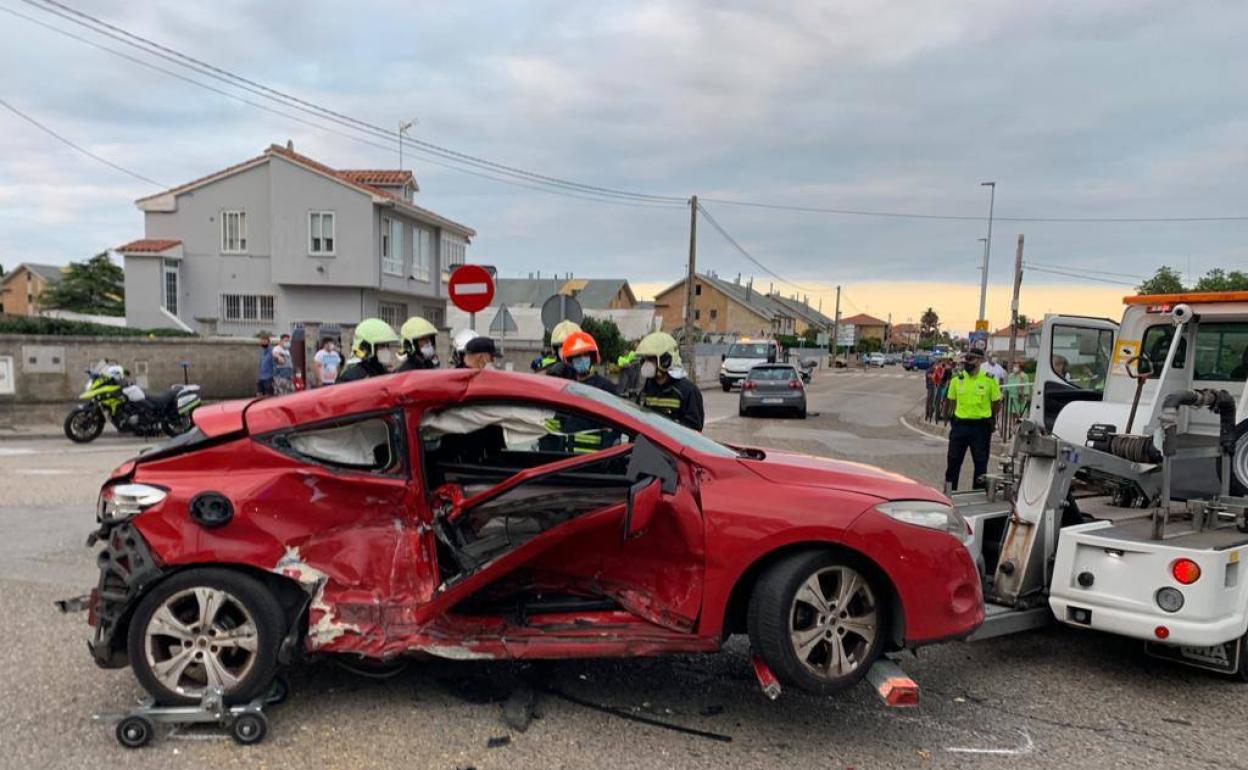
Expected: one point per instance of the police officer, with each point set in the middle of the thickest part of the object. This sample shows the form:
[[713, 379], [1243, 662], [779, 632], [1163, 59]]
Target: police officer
[[373, 346], [664, 388], [556, 366], [419, 337], [580, 353], [974, 399]]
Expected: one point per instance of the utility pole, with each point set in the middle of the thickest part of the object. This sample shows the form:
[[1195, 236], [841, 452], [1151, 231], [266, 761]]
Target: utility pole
[[836, 323], [983, 279], [1018, 282], [690, 280]]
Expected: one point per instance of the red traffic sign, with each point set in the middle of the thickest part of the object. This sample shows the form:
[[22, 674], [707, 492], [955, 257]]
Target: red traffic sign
[[471, 288]]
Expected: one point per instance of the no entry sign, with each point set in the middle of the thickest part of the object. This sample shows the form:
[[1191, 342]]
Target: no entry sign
[[471, 288]]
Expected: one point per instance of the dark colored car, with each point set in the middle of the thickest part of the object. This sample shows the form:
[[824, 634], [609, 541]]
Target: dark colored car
[[773, 388], [489, 515]]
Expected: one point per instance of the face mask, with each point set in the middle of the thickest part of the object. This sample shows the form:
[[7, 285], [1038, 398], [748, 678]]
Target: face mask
[[286, 344], [581, 364], [648, 370], [426, 351], [969, 368], [264, 344], [385, 357], [330, 348]]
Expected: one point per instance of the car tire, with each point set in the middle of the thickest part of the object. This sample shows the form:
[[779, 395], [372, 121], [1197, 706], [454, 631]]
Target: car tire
[[727, 386], [821, 643], [170, 643], [801, 413]]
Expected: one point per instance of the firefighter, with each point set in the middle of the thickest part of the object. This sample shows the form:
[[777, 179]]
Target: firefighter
[[580, 352], [418, 336], [664, 388], [373, 346], [555, 366], [630, 377]]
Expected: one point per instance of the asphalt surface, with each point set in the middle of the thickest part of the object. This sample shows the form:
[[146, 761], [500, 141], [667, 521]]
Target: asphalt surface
[[1053, 698]]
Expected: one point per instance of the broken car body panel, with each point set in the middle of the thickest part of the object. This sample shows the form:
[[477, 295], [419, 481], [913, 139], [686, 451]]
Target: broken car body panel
[[465, 546]]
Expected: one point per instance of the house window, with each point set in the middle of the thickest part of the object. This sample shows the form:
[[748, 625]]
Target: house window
[[393, 313], [422, 253], [169, 288], [697, 314], [233, 232], [454, 252], [714, 313], [391, 246], [321, 233], [697, 289], [246, 307]]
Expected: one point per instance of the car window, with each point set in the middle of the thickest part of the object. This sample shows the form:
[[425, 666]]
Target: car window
[[1221, 352], [371, 444], [1081, 356], [774, 373], [652, 420], [1155, 344], [748, 350]]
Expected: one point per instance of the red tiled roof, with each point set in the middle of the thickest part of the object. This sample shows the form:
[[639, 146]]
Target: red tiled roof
[[862, 319], [148, 246], [1004, 331], [378, 176]]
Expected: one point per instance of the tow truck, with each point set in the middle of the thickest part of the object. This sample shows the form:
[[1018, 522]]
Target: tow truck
[[1121, 507], [743, 354]]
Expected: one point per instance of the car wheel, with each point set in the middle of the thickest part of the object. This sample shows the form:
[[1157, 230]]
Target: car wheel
[[818, 620], [206, 627], [801, 413], [727, 386]]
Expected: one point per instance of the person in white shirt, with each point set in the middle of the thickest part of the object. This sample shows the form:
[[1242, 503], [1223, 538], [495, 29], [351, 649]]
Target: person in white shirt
[[328, 363], [995, 370]]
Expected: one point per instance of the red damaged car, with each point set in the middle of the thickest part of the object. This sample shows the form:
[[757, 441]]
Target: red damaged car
[[490, 515]]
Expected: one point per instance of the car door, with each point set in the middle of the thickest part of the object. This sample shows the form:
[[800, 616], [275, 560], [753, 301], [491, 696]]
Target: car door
[[532, 498], [1073, 364]]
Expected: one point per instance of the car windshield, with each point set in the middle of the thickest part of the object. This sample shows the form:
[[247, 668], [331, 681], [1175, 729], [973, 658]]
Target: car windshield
[[773, 373], [658, 422], [748, 350]]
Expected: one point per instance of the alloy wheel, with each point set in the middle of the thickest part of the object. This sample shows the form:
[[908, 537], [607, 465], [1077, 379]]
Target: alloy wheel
[[833, 622], [201, 637]]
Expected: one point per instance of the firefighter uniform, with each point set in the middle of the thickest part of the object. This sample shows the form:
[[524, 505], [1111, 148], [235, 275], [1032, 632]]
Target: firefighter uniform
[[676, 399]]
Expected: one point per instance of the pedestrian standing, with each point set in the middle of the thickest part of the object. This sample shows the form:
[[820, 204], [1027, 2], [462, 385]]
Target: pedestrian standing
[[932, 380], [995, 370], [264, 376], [283, 367], [328, 362], [1017, 392], [976, 398]]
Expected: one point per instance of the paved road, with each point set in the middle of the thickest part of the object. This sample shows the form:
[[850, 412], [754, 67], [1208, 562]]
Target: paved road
[[1056, 698]]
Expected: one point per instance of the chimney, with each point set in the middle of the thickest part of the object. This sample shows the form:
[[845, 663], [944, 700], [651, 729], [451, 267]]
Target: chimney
[[290, 145], [738, 281], [771, 288], [749, 288]]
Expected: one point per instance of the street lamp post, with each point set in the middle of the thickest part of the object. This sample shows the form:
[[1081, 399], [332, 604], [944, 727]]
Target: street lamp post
[[983, 279]]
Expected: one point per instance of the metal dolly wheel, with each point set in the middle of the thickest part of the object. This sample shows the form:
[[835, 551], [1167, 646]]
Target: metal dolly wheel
[[246, 723]]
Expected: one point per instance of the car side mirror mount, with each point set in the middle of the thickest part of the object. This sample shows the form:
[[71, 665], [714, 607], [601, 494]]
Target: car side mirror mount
[[643, 501]]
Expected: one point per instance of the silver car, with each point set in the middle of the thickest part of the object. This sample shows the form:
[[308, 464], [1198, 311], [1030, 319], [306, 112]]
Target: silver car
[[773, 387]]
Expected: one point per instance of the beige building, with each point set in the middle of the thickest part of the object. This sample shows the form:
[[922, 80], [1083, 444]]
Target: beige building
[[733, 308], [21, 287]]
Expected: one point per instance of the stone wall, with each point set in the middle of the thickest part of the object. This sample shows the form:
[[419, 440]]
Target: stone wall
[[47, 369]]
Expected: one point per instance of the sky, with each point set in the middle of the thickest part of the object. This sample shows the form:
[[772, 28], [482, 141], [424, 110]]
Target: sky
[[1088, 108]]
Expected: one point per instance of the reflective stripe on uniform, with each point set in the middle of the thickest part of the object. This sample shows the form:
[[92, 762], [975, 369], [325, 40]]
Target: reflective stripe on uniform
[[660, 402]]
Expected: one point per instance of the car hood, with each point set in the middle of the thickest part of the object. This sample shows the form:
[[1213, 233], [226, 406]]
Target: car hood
[[809, 471], [742, 364]]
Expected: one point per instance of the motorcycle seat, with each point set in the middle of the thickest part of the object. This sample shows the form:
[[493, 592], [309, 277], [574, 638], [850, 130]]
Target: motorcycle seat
[[161, 400]]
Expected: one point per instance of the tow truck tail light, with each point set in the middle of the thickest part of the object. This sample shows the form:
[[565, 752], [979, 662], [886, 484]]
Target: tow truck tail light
[[1185, 571]]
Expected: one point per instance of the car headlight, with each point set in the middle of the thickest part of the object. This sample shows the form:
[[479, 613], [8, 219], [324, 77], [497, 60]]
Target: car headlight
[[119, 502], [924, 513]]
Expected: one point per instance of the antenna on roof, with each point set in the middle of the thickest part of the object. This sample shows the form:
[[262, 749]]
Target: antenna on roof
[[290, 145]]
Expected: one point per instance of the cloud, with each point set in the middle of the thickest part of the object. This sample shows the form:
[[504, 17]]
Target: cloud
[[1075, 107]]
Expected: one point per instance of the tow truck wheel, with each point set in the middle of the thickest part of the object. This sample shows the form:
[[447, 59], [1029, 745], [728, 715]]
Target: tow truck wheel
[[134, 732], [1239, 462], [1241, 673], [206, 627], [818, 621]]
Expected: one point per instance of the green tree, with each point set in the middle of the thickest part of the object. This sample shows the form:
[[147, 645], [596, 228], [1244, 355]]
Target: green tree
[[1023, 322], [929, 324], [1218, 279], [95, 287], [811, 335], [611, 343], [1165, 281]]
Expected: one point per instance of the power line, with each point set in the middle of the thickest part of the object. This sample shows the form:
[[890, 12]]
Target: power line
[[1088, 270], [78, 147], [711, 221], [1077, 275], [328, 129], [973, 218], [153, 48]]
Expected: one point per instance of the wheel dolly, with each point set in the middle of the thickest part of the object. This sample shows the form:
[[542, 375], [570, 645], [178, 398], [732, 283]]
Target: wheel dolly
[[246, 723]]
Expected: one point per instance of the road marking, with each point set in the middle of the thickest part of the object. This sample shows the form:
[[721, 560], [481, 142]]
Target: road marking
[[1028, 746], [13, 451], [45, 471]]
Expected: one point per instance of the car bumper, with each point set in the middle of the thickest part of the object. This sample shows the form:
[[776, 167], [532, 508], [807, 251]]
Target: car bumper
[[126, 568], [783, 400], [731, 378]]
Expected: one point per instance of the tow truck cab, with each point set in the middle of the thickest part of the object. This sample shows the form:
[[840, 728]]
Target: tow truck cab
[[744, 354]]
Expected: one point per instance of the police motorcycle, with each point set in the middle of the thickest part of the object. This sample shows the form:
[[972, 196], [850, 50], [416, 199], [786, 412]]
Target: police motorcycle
[[110, 397]]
